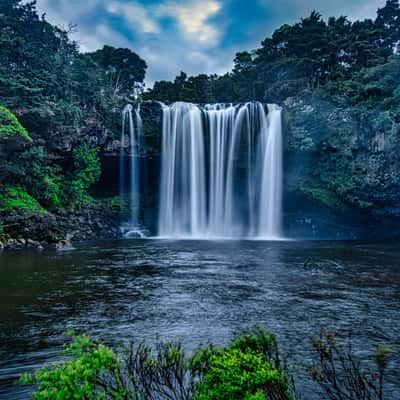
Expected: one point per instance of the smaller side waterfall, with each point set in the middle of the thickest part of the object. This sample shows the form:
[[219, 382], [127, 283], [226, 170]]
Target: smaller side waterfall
[[132, 128]]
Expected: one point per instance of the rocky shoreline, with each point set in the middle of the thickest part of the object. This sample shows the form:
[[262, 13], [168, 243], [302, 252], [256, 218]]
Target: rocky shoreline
[[25, 230]]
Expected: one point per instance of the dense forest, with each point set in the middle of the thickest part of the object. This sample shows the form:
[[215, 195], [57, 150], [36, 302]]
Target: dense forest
[[59, 107]]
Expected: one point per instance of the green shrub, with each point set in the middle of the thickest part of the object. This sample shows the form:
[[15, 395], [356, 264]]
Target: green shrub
[[235, 375], [87, 171], [249, 368], [261, 341], [46, 181], [41, 178], [241, 371], [77, 378], [341, 375]]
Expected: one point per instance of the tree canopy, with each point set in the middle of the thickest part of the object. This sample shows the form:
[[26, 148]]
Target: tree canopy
[[48, 83]]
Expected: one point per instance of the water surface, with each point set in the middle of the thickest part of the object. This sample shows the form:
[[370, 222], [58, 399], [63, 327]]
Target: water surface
[[196, 291]]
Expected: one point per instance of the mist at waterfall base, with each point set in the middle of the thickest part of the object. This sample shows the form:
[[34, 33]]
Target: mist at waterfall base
[[220, 172]]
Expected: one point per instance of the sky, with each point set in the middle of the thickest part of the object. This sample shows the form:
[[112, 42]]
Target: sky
[[195, 36]]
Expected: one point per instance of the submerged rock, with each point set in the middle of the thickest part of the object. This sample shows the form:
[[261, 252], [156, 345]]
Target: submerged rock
[[63, 244], [32, 243]]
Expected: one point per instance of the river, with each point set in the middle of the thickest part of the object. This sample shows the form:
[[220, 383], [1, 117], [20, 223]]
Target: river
[[198, 291]]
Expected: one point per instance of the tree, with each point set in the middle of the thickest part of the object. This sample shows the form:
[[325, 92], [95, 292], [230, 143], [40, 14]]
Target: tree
[[122, 66], [34, 56], [242, 62], [13, 137], [388, 24]]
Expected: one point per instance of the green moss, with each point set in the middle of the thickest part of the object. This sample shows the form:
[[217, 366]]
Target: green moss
[[324, 196], [16, 198], [360, 203], [10, 126], [118, 204]]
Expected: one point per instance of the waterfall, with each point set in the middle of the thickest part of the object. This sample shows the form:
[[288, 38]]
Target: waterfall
[[271, 182], [221, 171], [135, 135], [183, 182]]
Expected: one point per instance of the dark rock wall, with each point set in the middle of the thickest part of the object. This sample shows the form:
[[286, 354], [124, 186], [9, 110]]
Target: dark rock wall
[[342, 167], [343, 157]]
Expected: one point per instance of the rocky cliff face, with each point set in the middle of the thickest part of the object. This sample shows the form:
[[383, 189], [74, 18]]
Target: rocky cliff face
[[342, 165], [60, 141], [352, 154], [344, 159]]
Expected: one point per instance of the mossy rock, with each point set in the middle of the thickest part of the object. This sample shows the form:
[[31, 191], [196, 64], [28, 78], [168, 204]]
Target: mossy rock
[[10, 127], [14, 198], [324, 196]]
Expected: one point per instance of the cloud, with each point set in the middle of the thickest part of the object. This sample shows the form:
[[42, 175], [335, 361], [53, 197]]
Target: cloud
[[193, 19], [103, 34], [136, 15], [63, 12], [364, 10], [196, 36], [166, 58]]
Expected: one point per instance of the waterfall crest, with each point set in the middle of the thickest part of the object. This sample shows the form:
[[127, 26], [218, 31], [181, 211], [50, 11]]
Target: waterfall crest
[[132, 130], [221, 171]]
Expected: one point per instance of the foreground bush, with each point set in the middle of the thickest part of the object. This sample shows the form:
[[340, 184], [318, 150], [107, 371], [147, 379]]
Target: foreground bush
[[77, 378], [249, 368], [235, 375], [339, 373]]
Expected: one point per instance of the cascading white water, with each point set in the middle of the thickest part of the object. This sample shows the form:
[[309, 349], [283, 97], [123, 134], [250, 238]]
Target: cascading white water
[[221, 171], [183, 185], [135, 134], [270, 219]]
